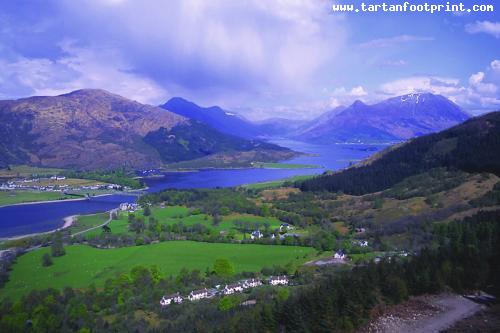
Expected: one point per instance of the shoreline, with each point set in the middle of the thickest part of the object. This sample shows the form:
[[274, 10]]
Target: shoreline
[[56, 200], [68, 222]]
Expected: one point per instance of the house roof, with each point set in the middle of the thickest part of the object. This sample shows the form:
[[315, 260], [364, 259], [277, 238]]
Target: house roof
[[279, 277], [233, 286], [172, 296], [197, 292]]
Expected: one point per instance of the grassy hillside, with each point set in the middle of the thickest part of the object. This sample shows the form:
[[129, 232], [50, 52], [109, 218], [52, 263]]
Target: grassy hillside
[[84, 265]]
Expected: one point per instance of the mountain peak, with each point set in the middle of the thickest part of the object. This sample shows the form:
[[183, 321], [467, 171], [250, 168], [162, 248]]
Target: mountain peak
[[90, 92], [358, 103]]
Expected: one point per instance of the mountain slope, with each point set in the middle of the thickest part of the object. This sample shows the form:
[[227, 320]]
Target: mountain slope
[[214, 116], [397, 118], [93, 129], [472, 147]]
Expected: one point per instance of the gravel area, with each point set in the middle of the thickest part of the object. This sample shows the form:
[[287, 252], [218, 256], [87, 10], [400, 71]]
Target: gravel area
[[423, 314]]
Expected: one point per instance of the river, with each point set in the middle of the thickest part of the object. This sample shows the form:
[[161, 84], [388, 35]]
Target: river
[[41, 217]]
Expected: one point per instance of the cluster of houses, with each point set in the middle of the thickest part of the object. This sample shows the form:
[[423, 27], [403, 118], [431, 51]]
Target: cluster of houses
[[228, 289], [33, 184], [129, 207], [283, 232]]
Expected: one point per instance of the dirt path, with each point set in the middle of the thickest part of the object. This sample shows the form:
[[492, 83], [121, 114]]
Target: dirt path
[[424, 314]]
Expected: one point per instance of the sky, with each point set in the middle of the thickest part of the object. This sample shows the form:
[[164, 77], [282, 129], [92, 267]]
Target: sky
[[263, 59]]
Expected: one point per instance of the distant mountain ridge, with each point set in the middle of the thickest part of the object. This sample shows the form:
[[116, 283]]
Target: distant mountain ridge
[[92, 129], [214, 116], [394, 119]]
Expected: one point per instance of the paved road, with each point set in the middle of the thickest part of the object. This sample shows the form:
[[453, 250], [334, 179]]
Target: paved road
[[111, 212]]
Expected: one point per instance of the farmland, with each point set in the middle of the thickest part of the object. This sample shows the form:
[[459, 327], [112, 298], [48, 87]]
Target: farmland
[[83, 265], [175, 215]]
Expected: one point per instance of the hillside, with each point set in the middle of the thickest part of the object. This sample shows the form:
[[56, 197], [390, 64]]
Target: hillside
[[94, 129], [395, 119], [472, 147]]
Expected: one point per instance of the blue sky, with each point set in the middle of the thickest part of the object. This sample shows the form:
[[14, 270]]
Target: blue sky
[[276, 58]]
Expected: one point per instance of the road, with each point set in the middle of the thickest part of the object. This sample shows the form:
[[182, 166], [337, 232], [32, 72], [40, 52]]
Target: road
[[111, 212]]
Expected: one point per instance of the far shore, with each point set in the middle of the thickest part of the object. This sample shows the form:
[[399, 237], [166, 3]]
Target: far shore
[[55, 200]]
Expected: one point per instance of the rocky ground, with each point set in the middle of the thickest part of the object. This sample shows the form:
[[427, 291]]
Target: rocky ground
[[429, 313], [484, 321]]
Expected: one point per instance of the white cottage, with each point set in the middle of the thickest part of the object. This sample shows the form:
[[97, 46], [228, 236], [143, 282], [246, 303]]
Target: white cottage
[[278, 280], [232, 288], [198, 294], [169, 299]]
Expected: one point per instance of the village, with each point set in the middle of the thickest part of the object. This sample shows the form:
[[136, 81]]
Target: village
[[229, 289], [58, 184]]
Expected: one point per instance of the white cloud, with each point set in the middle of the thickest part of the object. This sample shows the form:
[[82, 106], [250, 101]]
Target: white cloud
[[434, 84], [218, 44], [481, 92], [79, 68], [393, 41], [492, 28]]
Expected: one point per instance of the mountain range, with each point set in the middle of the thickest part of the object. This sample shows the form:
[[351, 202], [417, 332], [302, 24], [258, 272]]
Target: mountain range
[[395, 119], [91, 129]]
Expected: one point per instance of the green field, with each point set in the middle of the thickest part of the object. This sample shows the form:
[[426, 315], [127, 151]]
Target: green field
[[15, 197], [83, 265], [171, 215], [85, 222]]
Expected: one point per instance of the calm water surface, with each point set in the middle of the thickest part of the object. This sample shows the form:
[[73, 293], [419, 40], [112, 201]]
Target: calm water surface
[[27, 219]]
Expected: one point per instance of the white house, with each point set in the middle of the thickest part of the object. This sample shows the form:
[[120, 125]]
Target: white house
[[339, 255], [362, 243], [256, 234], [198, 294], [169, 299], [251, 283], [285, 227], [278, 280], [131, 207], [232, 288]]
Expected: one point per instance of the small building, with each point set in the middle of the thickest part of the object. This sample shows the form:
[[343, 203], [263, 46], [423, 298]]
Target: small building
[[362, 243], [340, 254], [198, 294], [232, 288], [251, 283], [360, 230], [285, 227], [169, 299], [278, 280], [256, 234], [131, 207]]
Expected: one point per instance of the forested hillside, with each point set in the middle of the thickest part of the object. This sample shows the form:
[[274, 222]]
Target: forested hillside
[[471, 147]]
